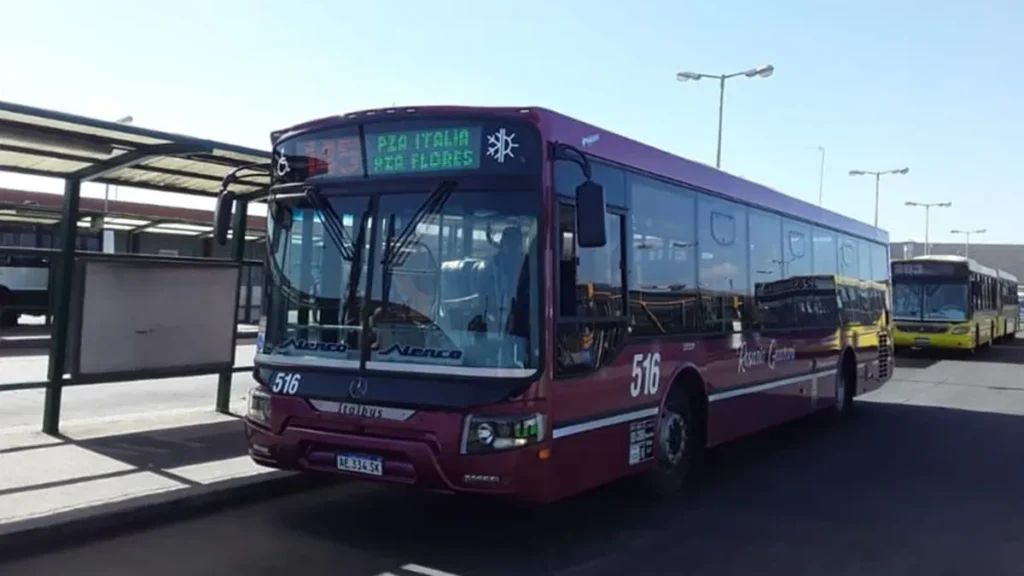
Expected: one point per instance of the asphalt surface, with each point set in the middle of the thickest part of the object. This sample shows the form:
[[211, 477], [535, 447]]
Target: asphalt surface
[[914, 484], [25, 407]]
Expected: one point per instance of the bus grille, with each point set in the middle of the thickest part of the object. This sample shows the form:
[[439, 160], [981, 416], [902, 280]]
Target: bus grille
[[884, 356], [924, 328]]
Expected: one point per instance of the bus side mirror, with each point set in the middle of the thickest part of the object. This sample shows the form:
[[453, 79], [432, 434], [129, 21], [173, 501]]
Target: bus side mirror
[[590, 215], [222, 217]]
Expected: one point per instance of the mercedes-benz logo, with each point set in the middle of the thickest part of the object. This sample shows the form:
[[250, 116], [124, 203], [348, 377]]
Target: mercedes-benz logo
[[358, 387], [282, 167]]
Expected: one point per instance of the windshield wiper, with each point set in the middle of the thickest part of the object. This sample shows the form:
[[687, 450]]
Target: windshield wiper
[[395, 252], [385, 279], [335, 230], [351, 308], [332, 223], [431, 206]]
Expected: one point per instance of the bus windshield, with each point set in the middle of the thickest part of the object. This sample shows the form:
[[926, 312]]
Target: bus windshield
[[939, 301], [452, 275]]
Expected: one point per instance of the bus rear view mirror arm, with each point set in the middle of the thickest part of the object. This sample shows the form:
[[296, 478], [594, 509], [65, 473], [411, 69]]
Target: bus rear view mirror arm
[[590, 201], [249, 173], [222, 216]]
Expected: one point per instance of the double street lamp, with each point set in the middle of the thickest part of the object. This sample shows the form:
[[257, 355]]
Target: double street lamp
[[878, 177], [927, 218], [759, 72], [967, 238]]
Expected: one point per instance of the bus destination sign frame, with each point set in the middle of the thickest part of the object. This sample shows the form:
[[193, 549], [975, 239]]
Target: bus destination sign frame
[[408, 149]]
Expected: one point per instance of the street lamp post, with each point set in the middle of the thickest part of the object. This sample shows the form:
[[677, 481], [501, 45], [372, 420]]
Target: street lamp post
[[821, 178], [760, 71], [878, 178], [106, 187], [927, 218], [108, 235], [967, 238]]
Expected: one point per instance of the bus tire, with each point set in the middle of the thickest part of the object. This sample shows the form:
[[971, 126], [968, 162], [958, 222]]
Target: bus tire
[[679, 437], [846, 385]]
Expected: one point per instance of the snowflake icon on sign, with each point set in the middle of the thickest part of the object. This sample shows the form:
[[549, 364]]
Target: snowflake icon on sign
[[501, 144]]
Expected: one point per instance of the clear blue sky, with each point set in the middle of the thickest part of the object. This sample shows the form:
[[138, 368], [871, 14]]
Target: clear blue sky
[[880, 84]]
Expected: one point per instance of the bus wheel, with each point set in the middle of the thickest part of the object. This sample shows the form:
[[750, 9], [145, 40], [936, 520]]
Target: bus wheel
[[676, 443], [846, 385]]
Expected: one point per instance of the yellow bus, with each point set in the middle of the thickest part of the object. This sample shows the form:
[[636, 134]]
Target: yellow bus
[[1009, 306], [945, 302], [854, 312]]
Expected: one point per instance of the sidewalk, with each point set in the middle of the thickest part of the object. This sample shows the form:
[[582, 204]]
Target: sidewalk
[[107, 473]]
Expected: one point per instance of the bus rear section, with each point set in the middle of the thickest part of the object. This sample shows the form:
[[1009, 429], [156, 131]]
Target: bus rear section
[[944, 302], [854, 311]]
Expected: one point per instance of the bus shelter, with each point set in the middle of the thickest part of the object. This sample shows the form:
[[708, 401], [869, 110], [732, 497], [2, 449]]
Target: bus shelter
[[84, 285], [30, 220]]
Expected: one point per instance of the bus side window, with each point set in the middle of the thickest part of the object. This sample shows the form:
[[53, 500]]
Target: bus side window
[[723, 250], [591, 322], [567, 262]]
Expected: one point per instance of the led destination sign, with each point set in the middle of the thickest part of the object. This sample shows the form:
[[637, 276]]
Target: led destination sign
[[339, 156], [926, 268], [424, 147], [423, 151]]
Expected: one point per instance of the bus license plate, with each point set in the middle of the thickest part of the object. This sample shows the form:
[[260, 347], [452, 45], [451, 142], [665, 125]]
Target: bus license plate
[[370, 465], [922, 341]]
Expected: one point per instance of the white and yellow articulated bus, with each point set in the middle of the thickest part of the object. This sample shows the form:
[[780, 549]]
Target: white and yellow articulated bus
[[949, 302]]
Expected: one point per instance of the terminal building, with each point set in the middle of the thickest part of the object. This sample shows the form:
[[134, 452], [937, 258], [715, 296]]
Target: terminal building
[[31, 219], [1008, 257]]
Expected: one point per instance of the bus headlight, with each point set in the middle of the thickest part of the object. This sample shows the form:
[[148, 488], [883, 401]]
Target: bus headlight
[[258, 406], [481, 434], [960, 330]]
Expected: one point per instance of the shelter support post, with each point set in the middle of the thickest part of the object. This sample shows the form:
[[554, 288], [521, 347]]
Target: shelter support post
[[61, 288], [238, 255]]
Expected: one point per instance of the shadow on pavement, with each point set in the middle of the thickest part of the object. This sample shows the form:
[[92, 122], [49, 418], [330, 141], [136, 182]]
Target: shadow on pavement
[[173, 447], [897, 490], [156, 451]]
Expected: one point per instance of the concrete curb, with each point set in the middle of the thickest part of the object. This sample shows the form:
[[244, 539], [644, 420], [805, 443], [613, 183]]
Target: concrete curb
[[81, 526]]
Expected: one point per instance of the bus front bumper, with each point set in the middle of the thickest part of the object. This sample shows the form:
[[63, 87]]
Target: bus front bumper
[[940, 341], [421, 462]]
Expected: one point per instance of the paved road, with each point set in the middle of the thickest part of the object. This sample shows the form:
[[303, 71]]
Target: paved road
[[914, 485], [25, 407]]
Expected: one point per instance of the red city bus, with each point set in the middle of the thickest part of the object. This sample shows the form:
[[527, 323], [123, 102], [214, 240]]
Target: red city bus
[[508, 301]]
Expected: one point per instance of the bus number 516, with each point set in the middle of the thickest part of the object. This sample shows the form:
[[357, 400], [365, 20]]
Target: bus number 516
[[646, 374]]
